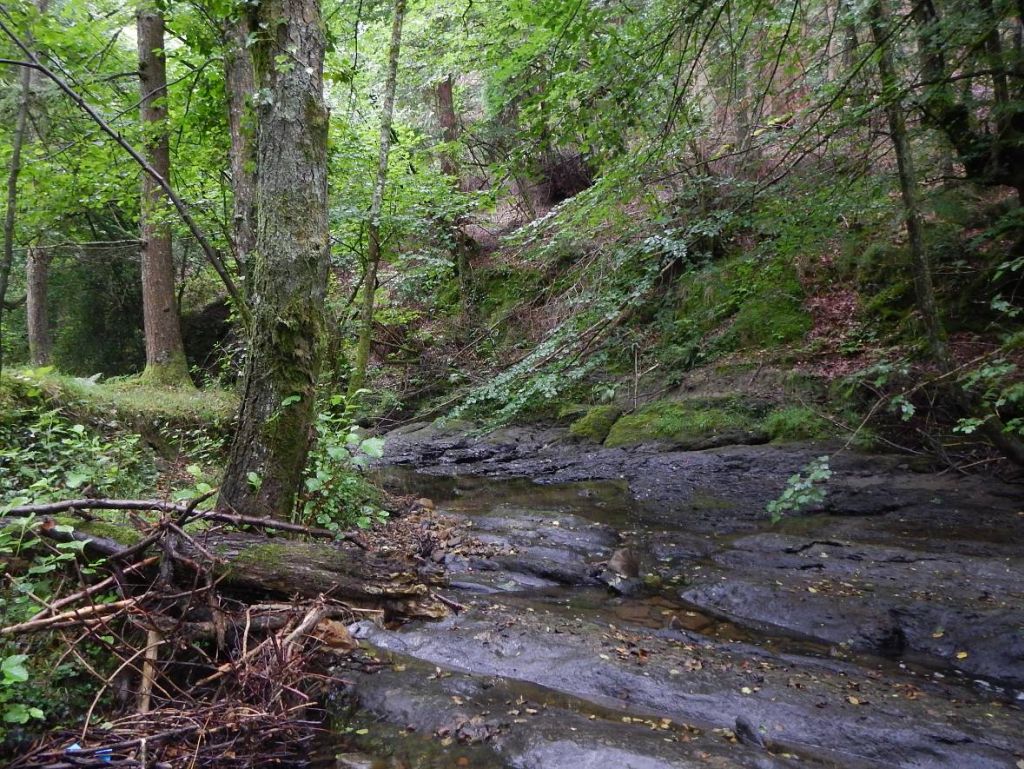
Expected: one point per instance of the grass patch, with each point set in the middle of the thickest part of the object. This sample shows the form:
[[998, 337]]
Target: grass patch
[[796, 423]]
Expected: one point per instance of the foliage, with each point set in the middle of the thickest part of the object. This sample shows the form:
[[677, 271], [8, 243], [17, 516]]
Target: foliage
[[30, 674], [47, 456], [803, 489], [336, 494]]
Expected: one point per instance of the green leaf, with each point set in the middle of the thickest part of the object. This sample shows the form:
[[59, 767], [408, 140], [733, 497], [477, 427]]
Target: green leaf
[[373, 447], [13, 668]]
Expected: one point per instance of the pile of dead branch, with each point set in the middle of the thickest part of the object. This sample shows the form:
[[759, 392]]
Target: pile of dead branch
[[221, 638]]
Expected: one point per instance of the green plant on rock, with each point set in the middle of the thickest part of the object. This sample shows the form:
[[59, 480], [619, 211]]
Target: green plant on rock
[[803, 489]]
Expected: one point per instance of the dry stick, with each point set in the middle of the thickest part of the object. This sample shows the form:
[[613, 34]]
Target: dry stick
[[159, 505], [313, 616], [153, 641], [105, 686], [93, 589], [73, 616], [179, 204]]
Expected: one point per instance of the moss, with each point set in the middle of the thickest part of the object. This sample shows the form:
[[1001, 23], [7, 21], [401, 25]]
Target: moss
[[171, 373], [121, 533], [685, 423], [795, 423], [135, 400], [596, 423], [269, 555], [500, 289]]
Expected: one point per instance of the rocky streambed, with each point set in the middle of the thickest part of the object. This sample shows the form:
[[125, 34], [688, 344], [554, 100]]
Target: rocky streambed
[[638, 610]]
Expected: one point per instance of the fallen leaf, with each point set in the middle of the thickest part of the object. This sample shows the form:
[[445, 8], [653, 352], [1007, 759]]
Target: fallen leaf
[[961, 655]]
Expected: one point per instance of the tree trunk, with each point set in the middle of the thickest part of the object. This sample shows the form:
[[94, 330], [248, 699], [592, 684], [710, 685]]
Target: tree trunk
[[449, 123], [37, 271], [241, 85], [13, 171], [282, 568], [373, 251], [165, 353], [464, 245], [924, 286], [289, 266]]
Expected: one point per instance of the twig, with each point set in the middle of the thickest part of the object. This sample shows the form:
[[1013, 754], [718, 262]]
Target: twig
[[159, 505], [86, 612]]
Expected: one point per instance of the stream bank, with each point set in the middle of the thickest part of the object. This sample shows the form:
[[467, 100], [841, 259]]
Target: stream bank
[[883, 629]]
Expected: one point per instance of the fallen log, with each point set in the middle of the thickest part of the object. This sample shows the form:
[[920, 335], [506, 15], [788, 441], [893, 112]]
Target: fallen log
[[277, 567]]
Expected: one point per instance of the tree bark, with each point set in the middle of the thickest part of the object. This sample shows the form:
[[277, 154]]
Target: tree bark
[[37, 272], [241, 85], [464, 246], [289, 266], [373, 250], [165, 352]]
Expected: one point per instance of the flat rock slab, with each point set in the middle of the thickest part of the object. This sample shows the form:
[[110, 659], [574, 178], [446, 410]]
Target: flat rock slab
[[825, 712]]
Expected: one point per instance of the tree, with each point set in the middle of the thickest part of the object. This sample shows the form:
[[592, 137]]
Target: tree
[[165, 352], [924, 284], [373, 228], [37, 280], [18, 139], [240, 82], [289, 266]]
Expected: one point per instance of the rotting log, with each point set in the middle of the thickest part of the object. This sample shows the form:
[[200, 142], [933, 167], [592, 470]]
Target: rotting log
[[273, 566]]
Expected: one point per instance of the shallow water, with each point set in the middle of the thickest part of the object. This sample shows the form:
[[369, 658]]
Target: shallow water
[[384, 743]]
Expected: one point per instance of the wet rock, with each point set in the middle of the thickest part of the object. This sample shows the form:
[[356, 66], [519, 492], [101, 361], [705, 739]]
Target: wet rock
[[747, 733], [811, 709], [353, 761]]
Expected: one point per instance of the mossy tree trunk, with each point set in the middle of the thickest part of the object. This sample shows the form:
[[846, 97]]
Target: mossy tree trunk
[[241, 85], [373, 230], [288, 269], [19, 136], [165, 353]]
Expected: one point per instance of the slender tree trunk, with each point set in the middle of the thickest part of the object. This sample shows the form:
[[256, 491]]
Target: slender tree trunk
[[924, 286], [13, 171], [464, 245], [37, 278], [165, 353], [373, 250], [241, 85], [449, 122], [289, 265]]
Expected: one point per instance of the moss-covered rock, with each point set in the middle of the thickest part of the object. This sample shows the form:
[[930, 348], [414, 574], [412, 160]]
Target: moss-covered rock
[[693, 425], [596, 423]]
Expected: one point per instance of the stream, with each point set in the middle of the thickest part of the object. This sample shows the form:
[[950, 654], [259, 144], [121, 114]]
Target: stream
[[884, 629]]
